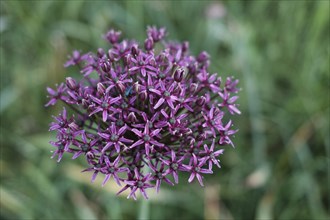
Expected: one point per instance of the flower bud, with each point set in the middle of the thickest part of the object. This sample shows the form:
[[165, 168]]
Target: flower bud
[[76, 56], [192, 68], [113, 36], [161, 58], [84, 103], [187, 131], [105, 65], [137, 87], [185, 46], [201, 101], [217, 111], [90, 155], [148, 44], [203, 56], [191, 141], [206, 64], [71, 83], [131, 117], [121, 87], [156, 34], [178, 90], [127, 60], [201, 137], [143, 95], [178, 74], [74, 126], [193, 87], [152, 62], [111, 56], [135, 51], [100, 52], [100, 88]]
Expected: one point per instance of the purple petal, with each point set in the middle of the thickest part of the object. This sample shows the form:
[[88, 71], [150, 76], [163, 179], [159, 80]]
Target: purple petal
[[144, 116], [122, 169], [117, 179], [137, 132], [173, 155], [159, 103], [117, 146], [51, 102], [134, 68], [96, 111], [105, 115], [207, 171], [143, 72], [173, 97], [156, 143], [132, 194], [54, 127], [107, 161], [104, 135], [77, 154], [106, 179], [233, 108], [139, 142], [143, 192], [205, 147], [122, 130], [218, 152], [51, 91], [155, 91], [191, 178], [170, 103], [188, 107], [155, 132], [114, 100], [147, 148], [94, 177], [185, 167], [122, 139], [195, 160], [146, 128], [83, 137], [228, 125], [107, 146], [211, 113], [113, 128], [96, 100], [162, 85], [130, 182], [152, 69], [233, 99], [167, 163], [64, 114], [164, 113], [158, 182], [60, 155], [175, 176], [123, 189], [200, 179], [230, 132], [168, 181]]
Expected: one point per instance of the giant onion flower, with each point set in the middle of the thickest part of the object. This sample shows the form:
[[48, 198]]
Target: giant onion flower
[[140, 106]]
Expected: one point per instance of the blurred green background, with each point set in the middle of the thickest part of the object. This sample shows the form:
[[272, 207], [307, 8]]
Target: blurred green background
[[279, 51]]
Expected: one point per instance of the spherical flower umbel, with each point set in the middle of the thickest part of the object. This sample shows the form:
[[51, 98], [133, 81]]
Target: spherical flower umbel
[[144, 115]]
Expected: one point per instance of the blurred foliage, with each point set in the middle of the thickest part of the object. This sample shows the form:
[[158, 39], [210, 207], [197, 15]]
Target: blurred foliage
[[278, 49]]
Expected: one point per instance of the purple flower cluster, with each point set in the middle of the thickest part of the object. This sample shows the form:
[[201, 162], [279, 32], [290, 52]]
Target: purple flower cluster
[[144, 113]]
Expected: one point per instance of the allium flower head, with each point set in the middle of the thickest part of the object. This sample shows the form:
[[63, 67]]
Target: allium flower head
[[146, 115]]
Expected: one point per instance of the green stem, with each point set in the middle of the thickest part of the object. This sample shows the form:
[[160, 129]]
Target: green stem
[[144, 211]]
